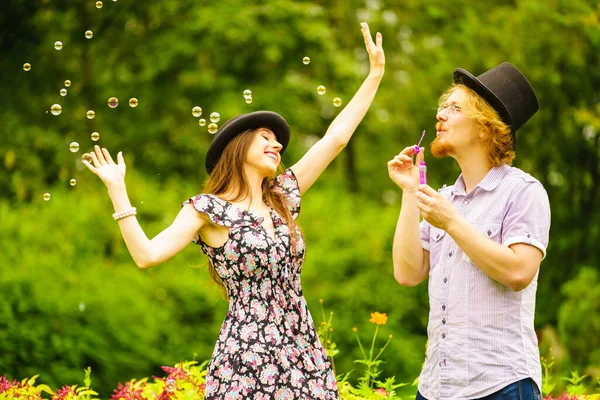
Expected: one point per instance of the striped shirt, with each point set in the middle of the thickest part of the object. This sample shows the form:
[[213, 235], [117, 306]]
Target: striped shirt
[[481, 334]]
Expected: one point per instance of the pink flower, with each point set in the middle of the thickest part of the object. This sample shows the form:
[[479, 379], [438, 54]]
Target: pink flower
[[5, 384], [381, 392], [128, 392], [64, 393]]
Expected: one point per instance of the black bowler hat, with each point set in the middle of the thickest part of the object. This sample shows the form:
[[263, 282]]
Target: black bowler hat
[[506, 89], [241, 123]]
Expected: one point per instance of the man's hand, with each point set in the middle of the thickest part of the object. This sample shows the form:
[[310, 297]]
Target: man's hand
[[435, 208], [403, 171]]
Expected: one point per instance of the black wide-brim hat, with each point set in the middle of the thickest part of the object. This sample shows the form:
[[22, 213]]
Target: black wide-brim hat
[[241, 123], [506, 89]]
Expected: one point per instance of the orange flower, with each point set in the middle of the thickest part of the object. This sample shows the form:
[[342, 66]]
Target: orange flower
[[378, 318]]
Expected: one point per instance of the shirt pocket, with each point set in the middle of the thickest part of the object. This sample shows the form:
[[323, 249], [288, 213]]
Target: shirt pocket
[[436, 240], [491, 230]]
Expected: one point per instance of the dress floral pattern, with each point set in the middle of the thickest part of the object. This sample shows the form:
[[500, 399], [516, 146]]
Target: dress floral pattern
[[268, 347]]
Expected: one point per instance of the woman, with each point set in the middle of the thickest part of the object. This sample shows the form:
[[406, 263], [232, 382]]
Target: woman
[[245, 222]]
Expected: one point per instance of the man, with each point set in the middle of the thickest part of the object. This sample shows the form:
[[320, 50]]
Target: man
[[481, 243]]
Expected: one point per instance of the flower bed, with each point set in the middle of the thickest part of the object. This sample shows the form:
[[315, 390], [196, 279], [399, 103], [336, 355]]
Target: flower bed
[[186, 380]]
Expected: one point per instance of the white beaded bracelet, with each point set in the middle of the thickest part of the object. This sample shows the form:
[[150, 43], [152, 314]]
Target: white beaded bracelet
[[125, 213]]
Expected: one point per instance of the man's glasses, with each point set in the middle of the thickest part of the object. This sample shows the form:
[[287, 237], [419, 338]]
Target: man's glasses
[[449, 108]]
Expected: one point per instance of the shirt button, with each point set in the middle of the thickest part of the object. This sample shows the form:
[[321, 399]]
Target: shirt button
[[444, 321], [445, 280], [450, 254], [440, 363], [444, 307], [443, 336], [465, 202], [489, 233]]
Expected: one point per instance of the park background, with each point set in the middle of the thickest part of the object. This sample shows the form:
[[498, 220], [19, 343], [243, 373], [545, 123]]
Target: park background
[[70, 295]]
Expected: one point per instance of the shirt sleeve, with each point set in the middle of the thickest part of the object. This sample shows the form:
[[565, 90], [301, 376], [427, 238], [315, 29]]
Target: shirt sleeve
[[425, 235], [527, 218], [287, 184]]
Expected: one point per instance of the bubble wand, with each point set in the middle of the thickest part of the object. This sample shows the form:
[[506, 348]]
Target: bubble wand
[[422, 166], [417, 148]]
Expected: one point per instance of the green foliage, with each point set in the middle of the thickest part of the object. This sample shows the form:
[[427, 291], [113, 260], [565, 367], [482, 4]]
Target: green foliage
[[548, 383], [579, 318], [185, 381], [576, 389], [74, 297], [575, 384], [60, 256], [77, 299], [368, 387]]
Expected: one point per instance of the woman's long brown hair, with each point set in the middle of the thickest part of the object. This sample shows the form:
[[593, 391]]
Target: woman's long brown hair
[[228, 179]]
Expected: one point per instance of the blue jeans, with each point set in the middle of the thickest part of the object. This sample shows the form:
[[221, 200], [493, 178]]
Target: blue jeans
[[524, 389]]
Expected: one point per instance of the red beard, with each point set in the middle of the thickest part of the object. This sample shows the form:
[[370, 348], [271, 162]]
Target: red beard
[[440, 149]]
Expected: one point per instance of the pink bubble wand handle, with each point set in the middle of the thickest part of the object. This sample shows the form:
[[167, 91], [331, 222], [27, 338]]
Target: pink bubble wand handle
[[423, 173]]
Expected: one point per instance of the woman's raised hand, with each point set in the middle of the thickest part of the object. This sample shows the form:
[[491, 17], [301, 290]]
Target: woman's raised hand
[[375, 50], [105, 168]]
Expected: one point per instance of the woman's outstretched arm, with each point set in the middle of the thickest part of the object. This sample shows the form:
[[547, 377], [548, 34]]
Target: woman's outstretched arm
[[145, 252], [314, 162]]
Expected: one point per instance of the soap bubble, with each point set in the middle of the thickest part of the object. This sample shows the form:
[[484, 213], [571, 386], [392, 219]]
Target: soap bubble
[[171, 385], [63, 92], [73, 182], [86, 157], [337, 102], [247, 93], [90, 114], [133, 102], [99, 4], [215, 117], [74, 147], [56, 109], [213, 128], [58, 45], [47, 196], [89, 34], [306, 60], [27, 67], [248, 100], [321, 90], [67, 83], [113, 102], [201, 122], [197, 111], [95, 136]]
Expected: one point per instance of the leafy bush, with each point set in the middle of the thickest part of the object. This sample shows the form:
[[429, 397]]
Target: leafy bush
[[72, 296], [579, 320]]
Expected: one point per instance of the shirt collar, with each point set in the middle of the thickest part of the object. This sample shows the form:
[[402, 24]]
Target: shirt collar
[[489, 182]]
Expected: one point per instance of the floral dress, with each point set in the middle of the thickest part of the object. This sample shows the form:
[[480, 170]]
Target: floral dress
[[268, 347]]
